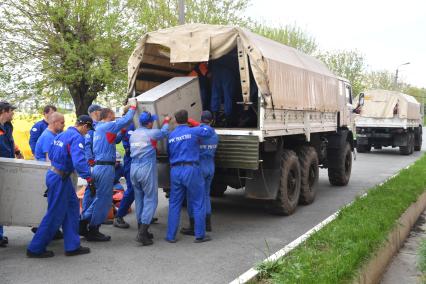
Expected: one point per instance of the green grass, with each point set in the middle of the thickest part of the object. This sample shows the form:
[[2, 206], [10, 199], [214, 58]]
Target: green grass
[[422, 260], [335, 253]]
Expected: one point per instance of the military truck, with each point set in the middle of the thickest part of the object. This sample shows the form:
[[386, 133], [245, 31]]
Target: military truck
[[389, 118], [303, 112]]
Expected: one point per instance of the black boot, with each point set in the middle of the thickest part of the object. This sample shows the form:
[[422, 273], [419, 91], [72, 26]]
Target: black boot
[[45, 254], [83, 231], [190, 230], [143, 235], [202, 240], [150, 235], [79, 251], [120, 223], [95, 236], [4, 241], [208, 223], [59, 235]]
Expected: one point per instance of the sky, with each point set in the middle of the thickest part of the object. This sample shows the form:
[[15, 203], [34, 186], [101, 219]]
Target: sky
[[388, 33]]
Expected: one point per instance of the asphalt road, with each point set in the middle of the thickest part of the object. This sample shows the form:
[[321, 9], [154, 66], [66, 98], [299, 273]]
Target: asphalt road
[[243, 235]]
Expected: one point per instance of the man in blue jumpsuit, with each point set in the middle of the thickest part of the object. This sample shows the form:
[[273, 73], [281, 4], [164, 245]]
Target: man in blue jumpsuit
[[208, 148], [66, 154], [104, 149], [40, 126], [143, 172], [185, 175], [94, 113], [56, 126], [7, 145]]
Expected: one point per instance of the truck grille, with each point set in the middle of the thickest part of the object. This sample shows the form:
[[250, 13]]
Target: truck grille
[[238, 152]]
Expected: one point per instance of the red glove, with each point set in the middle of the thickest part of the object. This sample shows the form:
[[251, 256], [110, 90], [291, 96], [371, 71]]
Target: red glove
[[193, 122], [91, 186], [132, 108], [91, 162], [166, 120], [123, 131]]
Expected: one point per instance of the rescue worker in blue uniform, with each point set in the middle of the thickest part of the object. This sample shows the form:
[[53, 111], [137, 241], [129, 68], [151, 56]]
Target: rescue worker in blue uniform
[[94, 112], [186, 177], [66, 154], [56, 126], [40, 126], [143, 172], [118, 172], [104, 148], [226, 87], [208, 148], [129, 195], [7, 145]]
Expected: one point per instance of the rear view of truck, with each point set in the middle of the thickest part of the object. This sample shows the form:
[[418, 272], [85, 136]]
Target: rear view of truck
[[290, 115], [389, 118]]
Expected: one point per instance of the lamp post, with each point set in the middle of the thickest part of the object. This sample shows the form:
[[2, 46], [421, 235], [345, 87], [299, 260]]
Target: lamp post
[[396, 74], [181, 8]]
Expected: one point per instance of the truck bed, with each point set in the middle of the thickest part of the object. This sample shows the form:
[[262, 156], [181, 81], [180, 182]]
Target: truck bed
[[395, 122]]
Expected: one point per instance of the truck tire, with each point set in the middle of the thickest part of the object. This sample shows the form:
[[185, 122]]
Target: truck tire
[[218, 189], [363, 148], [339, 165], [289, 188], [407, 150], [309, 170], [418, 140]]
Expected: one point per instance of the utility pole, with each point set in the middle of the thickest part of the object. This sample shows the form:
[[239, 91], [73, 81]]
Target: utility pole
[[181, 8], [396, 74]]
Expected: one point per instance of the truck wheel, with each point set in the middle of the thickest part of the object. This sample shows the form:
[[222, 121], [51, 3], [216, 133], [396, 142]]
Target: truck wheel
[[413, 142], [363, 148], [339, 165], [289, 188], [308, 159], [418, 140], [218, 189], [407, 150]]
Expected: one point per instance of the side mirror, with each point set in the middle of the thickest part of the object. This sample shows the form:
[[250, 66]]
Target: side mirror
[[361, 99]]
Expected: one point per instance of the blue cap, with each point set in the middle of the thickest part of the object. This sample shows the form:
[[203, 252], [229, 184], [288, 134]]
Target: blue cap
[[206, 116], [146, 118], [93, 108]]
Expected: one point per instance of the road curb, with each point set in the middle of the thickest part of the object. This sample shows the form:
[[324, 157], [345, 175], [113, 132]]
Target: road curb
[[373, 271], [252, 273]]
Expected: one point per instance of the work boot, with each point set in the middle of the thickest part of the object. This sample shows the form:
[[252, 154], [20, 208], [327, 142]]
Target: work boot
[[4, 241], [150, 235], [34, 229], [143, 235], [202, 240], [120, 223], [45, 254], [208, 223], [190, 230], [79, 251], [83, 231], [154, 220], [95, 236]]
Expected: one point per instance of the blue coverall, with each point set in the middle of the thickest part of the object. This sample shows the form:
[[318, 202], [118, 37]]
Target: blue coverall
[[186, 177], [7, 148], [104, 149], [208, 148], [143, 171], [118, 173], [43, 144], [129, 194], [66, 154], [35, 133], [225, 82], [88, 150]]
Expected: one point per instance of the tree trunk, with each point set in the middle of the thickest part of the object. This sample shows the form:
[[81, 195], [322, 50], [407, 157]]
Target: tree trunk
[[82, 100]]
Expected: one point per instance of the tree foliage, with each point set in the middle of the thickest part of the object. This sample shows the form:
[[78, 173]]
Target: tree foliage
[[290, 35], [348, 64], [379, 80]]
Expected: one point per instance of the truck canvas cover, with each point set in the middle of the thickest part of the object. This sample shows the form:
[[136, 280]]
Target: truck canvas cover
[[287, 78], [381, 104]]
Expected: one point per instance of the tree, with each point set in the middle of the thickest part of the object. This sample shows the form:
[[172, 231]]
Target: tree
[[347, 64], [290, 35], [379, 80], [79, 49]]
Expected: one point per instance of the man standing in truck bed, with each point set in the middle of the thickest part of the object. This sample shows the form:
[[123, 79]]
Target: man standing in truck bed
[[104, 149], [186, 177]]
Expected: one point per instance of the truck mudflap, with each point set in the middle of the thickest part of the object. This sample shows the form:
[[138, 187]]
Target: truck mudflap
[[263, 184], [238, 152]]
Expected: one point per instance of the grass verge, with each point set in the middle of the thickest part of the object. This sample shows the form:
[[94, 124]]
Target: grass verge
[[336, 253]]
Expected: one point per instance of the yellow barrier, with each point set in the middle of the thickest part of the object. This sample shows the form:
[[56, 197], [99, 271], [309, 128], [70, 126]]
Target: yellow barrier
[[22, 124]]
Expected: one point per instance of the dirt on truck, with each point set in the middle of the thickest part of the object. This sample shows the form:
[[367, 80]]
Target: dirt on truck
[[389, 118], [290, 115]]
